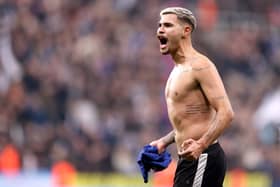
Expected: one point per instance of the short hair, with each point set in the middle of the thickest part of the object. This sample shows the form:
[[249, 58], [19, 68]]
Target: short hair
[[182, 14]]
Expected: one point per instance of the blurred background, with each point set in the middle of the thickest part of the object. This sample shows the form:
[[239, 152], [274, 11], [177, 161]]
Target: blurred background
[[82, 89]]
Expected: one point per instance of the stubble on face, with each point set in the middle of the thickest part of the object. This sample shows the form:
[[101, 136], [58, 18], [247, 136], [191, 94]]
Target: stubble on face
[[169, 36]]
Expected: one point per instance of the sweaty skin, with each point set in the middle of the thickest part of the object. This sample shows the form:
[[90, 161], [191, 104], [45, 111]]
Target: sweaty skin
[[198, 107]]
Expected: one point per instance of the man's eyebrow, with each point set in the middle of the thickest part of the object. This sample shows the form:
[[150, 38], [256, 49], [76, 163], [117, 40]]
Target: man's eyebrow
[[165, 23]]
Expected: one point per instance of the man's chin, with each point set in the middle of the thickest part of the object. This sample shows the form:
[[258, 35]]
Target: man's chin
[[164, 52]]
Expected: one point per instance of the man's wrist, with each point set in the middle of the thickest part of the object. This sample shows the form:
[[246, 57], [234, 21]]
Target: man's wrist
[[163, 142], [202, 143]]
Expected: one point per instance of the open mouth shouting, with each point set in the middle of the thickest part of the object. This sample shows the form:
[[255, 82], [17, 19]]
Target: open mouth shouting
[[163, 41]]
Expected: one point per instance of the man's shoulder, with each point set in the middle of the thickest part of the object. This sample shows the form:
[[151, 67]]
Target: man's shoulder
[[202, 62]]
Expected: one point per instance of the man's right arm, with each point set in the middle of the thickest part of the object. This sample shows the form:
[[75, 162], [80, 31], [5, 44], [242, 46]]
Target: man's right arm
[[165, 141]]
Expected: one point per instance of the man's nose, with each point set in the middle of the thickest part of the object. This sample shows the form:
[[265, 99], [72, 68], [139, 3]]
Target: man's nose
[[160, 30]]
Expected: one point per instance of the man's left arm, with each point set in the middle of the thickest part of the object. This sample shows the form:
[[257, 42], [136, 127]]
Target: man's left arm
[[213, 88]]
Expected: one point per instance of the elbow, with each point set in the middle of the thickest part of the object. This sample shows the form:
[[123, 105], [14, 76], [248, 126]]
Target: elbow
[[230, 115]]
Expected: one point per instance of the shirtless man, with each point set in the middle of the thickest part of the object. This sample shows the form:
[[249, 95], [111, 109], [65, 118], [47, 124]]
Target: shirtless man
[[197, 104]]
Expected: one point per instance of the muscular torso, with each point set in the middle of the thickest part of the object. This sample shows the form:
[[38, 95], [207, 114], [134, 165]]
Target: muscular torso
[[188, 108]]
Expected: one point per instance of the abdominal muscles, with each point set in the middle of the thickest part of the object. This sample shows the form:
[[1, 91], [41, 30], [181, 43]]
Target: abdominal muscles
[[190, 120]]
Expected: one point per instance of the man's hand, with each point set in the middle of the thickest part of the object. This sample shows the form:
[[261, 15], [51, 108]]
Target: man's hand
[[163, 142], [159, 144], [191, 149]]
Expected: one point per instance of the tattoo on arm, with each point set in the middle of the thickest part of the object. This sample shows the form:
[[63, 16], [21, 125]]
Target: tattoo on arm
[[212, 132], [216, 128], [169, 138], [216, 124]]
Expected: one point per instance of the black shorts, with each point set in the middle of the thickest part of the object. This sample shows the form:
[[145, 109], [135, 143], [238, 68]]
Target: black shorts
[[208, 171]]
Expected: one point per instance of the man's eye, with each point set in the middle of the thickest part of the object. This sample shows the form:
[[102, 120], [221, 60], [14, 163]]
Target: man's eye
[[168, 25]]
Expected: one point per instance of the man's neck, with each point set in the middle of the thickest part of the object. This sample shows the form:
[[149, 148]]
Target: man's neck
[[184, 52]]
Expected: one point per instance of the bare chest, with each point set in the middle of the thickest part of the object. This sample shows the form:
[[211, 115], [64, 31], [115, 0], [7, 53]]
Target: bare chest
[[180, 84]]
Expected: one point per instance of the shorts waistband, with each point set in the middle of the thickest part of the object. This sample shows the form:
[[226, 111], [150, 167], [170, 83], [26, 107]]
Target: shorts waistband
[[214, 145]]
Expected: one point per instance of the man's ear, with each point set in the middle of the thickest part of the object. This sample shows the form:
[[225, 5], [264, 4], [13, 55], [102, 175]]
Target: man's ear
[[187, 30]]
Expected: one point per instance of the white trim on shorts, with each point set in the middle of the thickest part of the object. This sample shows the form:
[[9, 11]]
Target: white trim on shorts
[[202, 162]]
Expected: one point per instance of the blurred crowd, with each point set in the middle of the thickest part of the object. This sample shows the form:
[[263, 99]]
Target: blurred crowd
[[83, 80]]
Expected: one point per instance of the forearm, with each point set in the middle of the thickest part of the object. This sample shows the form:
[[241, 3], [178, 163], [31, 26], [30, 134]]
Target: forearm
[[217, 127], [168, 139]]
